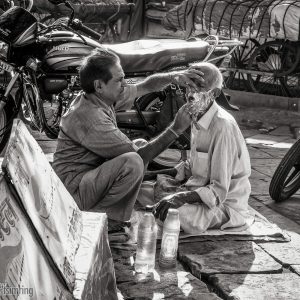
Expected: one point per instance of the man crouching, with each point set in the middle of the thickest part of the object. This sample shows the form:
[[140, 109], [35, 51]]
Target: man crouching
[[212, 187]]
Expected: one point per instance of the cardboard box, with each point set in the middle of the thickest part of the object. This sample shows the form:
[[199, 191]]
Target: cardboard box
[[50, 207], [94, 268], [76, 242], [25, 272]]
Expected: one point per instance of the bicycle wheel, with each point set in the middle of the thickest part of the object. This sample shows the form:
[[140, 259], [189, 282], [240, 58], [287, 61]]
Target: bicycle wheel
[[239, 60], [271, 62], [292, 83], [286, 178]]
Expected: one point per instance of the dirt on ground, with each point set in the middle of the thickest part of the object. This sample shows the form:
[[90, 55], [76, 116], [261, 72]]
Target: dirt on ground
[[266, 119]]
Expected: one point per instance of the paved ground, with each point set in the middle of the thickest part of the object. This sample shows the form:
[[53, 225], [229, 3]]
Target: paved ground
[[226, 269], [236, 269]]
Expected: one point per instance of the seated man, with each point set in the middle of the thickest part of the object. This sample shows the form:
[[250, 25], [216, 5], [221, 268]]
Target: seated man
[[99, 165], [213, 185]]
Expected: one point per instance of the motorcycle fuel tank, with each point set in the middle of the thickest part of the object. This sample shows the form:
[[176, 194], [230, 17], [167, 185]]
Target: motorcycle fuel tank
[[66, 54]]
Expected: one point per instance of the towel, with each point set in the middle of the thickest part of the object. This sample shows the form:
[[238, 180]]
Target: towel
[[260, 230]]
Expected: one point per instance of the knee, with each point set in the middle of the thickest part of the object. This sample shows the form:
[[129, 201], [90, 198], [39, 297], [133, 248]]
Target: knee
[[134, 162], [194, 218]]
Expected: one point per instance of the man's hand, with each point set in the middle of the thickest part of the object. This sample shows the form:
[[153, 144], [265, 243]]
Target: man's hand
[[160, 209], [170, 201], [167, 137], [182, 119], [190, 78]]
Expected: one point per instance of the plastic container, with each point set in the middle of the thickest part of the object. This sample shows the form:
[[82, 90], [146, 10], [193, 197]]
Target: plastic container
[[169, 243], [146, 243]]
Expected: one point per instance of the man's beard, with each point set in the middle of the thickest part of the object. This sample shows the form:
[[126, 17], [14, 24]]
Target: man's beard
[[199, 105]]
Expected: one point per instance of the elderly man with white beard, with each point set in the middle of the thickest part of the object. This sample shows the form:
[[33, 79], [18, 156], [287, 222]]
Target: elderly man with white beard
[[211, 188]]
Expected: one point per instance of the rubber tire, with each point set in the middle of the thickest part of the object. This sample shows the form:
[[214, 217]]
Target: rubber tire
[[277, 189], [148, 100], [240, 61], [50, 131], [19, 97], [145, 103], [284, 90], [8, 113]]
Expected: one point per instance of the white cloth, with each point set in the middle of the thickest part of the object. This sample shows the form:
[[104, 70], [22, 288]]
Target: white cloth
[[218, 170]]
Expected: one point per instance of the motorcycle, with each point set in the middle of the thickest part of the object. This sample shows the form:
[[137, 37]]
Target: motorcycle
[[40, 65]]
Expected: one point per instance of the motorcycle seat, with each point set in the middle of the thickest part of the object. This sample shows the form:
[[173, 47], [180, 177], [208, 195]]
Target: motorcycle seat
[[158, 54]]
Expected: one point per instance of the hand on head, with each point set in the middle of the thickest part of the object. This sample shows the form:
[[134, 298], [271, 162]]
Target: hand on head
[[212, 77], [190, 78]]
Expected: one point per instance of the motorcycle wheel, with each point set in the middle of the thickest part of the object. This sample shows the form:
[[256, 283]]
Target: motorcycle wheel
[[39, 114], [170, 157], [7, 115], [151, 102], [26, 96], [286, 178], [51, 112]]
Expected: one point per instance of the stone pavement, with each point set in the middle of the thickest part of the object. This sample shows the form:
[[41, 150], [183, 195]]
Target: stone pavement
[[240, 269], [225, 269]]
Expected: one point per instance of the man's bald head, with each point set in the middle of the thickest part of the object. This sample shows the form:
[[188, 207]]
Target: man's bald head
[[212, 76]]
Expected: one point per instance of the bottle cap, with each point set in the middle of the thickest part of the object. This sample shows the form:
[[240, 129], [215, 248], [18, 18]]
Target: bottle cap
[[173, 211]]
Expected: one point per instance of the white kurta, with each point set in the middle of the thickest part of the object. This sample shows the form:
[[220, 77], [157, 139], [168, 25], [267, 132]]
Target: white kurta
[[218, 170]]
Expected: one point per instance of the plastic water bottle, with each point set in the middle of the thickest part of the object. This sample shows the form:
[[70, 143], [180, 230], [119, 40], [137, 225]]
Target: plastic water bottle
[[146, 243], [169, 243]]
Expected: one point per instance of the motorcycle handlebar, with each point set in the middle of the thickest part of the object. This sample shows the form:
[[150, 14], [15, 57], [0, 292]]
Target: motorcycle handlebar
[[77, 25]]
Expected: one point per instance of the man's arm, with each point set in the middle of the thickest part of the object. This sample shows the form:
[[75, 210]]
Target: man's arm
[[150, 175], [175, 201], [157, 82], [181, 122]]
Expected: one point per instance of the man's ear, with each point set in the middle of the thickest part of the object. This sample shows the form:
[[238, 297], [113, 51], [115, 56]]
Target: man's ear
[[97, 86], [216, 92]]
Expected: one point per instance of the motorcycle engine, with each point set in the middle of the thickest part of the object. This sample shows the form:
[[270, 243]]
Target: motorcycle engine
[[57, 84], [54, 85]]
